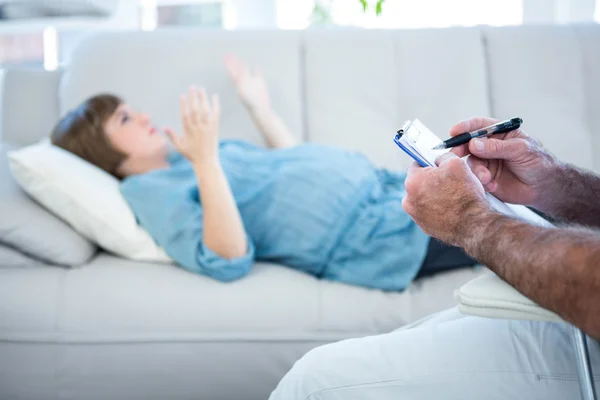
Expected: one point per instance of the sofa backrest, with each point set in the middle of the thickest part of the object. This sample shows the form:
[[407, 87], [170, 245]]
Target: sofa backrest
[[151, 70], [540, 74], [349, 88], [362, 85]]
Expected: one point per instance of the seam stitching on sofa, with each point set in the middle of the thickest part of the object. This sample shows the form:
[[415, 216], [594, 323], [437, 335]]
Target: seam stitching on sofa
[[304, 135], [320, 316], [3, 72], [396, 68], [585, 73], [487, 68], [415, 378], [58, 321], [563, 377], [140, 341], [60, 301]]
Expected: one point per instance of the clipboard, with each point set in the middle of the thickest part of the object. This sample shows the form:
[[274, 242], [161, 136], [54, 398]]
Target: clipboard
[[416, 140]]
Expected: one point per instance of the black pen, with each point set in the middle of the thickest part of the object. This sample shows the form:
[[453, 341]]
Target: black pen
[[500, 127]]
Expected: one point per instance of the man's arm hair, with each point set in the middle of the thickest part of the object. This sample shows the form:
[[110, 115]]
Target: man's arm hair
[[558, 268], [574, 197]]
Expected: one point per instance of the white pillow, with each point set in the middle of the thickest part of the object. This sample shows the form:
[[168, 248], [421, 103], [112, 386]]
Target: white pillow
[[84, 196]]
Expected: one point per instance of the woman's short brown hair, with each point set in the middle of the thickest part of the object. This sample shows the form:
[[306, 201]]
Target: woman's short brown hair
[[81, 131]]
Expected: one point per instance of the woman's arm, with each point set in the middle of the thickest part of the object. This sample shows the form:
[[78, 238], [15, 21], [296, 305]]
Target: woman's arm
[[253, 92], [271, 126], [174, 219], [223, 228], [223, 231]]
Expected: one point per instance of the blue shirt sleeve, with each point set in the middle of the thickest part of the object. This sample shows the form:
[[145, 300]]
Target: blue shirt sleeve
[[174, 220]]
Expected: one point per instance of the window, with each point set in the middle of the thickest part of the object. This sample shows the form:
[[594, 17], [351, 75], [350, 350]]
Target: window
[[597, 12], [157, 13], [299, 14], [206, 15], [21, 48]]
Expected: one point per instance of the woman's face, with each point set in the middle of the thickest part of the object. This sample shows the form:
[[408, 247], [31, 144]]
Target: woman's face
[[133, 134]]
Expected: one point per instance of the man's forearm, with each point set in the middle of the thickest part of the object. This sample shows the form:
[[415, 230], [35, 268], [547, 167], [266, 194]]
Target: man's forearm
[[573, 196], [276, 133], [558, 268]]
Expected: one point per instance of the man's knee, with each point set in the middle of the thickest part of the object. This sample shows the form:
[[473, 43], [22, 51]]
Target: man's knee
[[313, 373]]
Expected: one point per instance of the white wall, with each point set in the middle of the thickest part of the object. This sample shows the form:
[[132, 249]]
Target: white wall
[[244, 14], [249, 14], [558, 11]]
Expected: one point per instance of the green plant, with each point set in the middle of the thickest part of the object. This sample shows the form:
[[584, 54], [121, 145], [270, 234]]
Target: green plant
[[378, 6], [321, 13]]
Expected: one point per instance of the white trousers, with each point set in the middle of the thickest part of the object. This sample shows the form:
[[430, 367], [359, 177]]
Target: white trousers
[[445, 356]]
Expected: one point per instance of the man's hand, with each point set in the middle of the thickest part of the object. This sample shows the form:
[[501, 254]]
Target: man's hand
[[512, 166], [445, 201], [555, 267]]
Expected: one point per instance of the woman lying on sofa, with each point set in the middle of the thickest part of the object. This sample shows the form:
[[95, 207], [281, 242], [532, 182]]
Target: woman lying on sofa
[[216, 206]]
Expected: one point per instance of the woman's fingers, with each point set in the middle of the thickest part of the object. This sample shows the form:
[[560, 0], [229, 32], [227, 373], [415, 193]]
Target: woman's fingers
[[195, 104], [231, 67], [216, 107], [196, 108], [234, 67], [204, 105], [174, 138], [185, 112]]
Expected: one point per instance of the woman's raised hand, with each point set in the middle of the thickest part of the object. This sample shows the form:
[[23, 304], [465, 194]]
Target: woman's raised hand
[[200, 118], [250, 85]]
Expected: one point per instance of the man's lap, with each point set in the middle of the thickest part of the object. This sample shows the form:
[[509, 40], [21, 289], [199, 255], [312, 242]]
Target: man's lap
[[446, 356]]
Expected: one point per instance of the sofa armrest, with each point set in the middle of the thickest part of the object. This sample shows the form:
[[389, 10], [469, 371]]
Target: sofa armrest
[[28, 104], [490, 297]]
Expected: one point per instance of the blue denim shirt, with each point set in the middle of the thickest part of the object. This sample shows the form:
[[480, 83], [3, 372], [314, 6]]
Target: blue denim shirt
[[298, 206]]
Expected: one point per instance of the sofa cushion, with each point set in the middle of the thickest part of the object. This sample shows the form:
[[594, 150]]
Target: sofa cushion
[[588, 37], [84, 196], [543, 82], [13, 258], [29, 228], [113, 299], [27, 92], [128, 322]]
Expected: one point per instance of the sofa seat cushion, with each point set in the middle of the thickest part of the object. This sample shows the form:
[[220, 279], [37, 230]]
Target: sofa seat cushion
[[130, 330], [113, 299]]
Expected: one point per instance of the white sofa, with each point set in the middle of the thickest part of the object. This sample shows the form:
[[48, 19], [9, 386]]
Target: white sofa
[[116, 329]]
